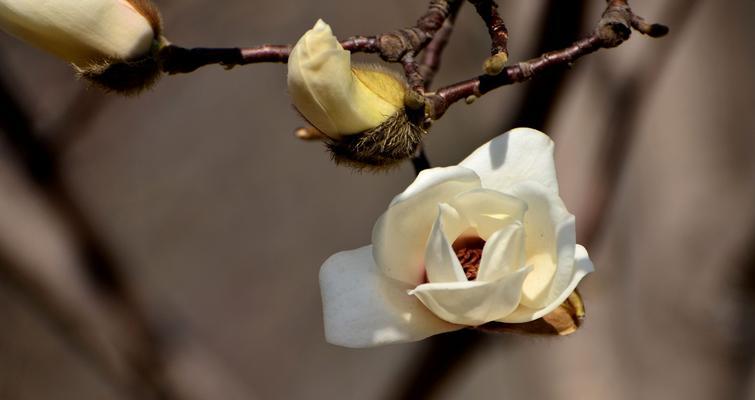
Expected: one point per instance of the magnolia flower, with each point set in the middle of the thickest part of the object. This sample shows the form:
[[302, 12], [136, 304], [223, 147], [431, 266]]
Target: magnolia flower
[[487, 240], [359, 108], [109, 41]]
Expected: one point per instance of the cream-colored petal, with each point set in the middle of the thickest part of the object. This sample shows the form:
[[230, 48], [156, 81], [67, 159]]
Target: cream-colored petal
[[326, 91], [521, 154], [503, 253], [472, 302], [550, 238], [441, 263], [400, 234], [582, 267], [488, 210], [363, 308], [80, 31]]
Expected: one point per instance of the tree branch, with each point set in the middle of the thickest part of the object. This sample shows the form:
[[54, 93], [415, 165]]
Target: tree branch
[[87, 295], [391, 46], [613, 29], [430, 58], [499, 36]]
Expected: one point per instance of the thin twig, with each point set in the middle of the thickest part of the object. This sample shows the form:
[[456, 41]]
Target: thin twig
[[612, 30], [391, 47], [403, 45], [499, 35], [428, 65]]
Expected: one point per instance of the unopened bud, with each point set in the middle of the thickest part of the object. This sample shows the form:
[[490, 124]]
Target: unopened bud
[[112, 43], [360, 108], [494, 64]]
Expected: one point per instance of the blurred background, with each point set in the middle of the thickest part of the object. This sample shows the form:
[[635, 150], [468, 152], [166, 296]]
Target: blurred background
[[170, 243]]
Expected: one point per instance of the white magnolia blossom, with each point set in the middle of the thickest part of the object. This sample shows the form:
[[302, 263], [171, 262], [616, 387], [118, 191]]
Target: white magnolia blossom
[[334, 96], [83, 32], [409, 284]]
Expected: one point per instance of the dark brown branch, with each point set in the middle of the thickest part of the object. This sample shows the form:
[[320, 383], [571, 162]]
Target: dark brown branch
[[612, 30], [179, 60], [391, 47], [499, 35]]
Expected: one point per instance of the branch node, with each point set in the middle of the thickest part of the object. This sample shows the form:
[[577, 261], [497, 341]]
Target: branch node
[[394, 45], [614, 26], [414, 100]]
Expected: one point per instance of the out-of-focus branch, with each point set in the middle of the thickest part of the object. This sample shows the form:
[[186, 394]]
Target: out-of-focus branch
[[628, 97], [85, 295], [612, 30], [430, 58], [40, 163]]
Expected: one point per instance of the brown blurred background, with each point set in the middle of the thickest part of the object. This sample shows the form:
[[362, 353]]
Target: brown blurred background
[[219, 219]]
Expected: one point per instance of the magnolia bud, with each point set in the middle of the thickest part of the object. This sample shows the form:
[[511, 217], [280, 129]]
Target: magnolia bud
[[112, 43], [360, 108]]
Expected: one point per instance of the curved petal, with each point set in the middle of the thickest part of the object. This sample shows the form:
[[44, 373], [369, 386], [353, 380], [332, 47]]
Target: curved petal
[[362, 308], [473, 303], [441, 263], [503, 253], [325, 90], [549, 241], [400, 234], [488, 210], [521, 154], [582, 267]]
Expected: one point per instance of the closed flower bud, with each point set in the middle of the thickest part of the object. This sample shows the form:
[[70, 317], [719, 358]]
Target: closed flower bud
[[112, 43], [359, 107]]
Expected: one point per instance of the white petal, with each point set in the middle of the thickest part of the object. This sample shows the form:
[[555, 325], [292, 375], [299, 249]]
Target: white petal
[[488, 210], [582, 267], [362, 308], [400, 234], [472, 302], [503, 253], [80, 31], [550, 239], [326, 92], [521, 154], [441, 263]]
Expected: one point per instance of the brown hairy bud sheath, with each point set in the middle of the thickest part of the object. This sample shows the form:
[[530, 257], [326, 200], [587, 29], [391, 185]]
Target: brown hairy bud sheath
[[384, 146]]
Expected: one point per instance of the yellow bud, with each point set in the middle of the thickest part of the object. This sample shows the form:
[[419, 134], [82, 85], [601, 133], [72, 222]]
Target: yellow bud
[[359, 107], [338, 98]]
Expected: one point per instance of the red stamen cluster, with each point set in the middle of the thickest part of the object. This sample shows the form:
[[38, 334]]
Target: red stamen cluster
[[469, 252]]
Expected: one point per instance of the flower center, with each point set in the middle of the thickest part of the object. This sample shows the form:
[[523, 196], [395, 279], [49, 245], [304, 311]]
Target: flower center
[[469, 252]]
